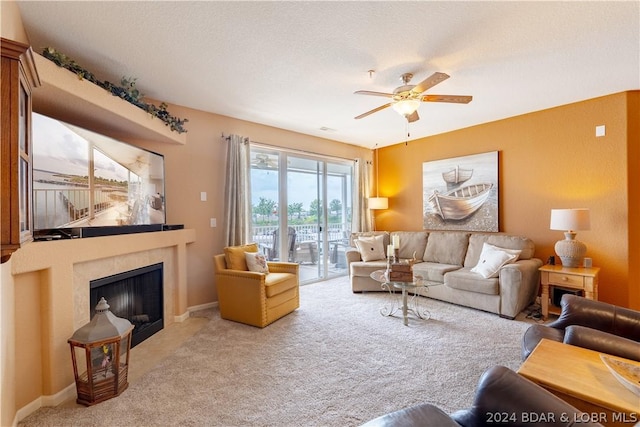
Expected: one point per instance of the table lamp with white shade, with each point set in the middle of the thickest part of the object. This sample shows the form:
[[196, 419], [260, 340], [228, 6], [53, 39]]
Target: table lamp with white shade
[[570, 250]]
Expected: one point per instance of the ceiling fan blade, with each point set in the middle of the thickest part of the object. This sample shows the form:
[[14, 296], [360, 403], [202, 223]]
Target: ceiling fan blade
[[430, 82], [413, 117], [368, 92], [375, 110], [458, 99]]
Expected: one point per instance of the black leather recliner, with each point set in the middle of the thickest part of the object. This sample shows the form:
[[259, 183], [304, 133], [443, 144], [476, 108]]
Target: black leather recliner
[[503, 398], [595, 325]]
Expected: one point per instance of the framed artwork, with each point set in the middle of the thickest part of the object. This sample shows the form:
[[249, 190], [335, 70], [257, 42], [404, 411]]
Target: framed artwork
[[461, 193]]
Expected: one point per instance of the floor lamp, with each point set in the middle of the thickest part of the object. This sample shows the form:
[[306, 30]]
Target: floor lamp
[[377, 203]]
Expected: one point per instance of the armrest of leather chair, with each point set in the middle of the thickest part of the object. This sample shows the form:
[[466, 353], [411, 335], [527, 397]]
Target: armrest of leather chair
[[507, 399], [598, 315], [424, 415], [535, 333], [585, 312], [602, 342]]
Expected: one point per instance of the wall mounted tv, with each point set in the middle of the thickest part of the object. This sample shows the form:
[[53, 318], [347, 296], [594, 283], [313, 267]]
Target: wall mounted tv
[[87, 184]]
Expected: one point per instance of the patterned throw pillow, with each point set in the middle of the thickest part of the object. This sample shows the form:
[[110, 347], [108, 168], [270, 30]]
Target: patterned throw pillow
[[371, 248], [256, 262]]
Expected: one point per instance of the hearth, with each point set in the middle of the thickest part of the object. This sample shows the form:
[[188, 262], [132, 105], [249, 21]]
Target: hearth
[[135, 295]]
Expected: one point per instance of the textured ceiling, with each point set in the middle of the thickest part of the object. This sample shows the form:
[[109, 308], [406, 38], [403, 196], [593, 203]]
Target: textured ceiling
[[295, 65]]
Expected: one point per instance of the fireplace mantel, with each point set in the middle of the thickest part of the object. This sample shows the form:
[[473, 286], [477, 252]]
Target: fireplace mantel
[[58, 274]]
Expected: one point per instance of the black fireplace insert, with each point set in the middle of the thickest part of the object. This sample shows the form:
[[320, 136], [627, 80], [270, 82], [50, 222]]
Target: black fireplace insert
[[135, 295]]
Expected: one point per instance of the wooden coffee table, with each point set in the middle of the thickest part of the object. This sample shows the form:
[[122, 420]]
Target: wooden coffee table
[[579, 377]]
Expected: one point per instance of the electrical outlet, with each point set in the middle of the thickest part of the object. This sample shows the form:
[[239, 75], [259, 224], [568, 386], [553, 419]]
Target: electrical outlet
[[203, 196], [600, 130], [212, 222]]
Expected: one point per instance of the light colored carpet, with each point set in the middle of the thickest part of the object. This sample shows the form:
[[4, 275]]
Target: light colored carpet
[[334, 362]]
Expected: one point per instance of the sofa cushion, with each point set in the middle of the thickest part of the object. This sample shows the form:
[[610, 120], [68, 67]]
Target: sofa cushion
[[476, 240], [411, 242], [493, 258], [234, 256], [371, 248], [465, 280], [432, 271], [277, 283], [361, 268], [446, 247]]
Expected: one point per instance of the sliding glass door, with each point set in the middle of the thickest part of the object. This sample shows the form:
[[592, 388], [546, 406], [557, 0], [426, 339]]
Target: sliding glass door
[[302, 210]]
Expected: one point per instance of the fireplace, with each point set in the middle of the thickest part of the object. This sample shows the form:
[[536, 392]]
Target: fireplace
[[135, 295]]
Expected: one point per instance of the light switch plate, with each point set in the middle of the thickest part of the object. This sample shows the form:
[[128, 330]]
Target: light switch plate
[[600, 130], [203, 196], [213, 221]]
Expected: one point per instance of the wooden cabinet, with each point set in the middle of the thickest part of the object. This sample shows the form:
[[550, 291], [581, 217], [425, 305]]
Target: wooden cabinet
[[18, 77], [552, 276]]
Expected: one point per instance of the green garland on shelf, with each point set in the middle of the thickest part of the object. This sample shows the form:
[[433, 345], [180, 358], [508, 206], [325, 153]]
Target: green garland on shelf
[[126, 91]]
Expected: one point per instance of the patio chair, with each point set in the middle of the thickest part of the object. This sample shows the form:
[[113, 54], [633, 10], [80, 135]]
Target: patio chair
[[306, 251], [273, 252]]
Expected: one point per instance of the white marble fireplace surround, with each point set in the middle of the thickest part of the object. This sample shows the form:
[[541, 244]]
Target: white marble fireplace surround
[[64, 269]]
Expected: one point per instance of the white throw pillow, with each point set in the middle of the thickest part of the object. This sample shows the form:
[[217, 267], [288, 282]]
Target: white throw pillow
[[256, 262], [493, 258], [371, 248]]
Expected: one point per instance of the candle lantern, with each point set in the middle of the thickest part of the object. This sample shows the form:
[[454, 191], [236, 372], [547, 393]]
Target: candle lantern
[[100, 353]]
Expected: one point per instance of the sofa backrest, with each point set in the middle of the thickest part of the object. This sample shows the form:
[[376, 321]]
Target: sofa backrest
[[411, 242], [476, 240], [446, 247]]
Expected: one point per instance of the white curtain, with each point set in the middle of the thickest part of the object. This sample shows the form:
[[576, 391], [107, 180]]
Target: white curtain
[[237, 192], [361, 219]]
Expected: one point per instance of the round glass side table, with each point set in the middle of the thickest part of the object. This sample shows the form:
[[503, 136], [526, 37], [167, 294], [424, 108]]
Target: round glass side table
[[408, 300]]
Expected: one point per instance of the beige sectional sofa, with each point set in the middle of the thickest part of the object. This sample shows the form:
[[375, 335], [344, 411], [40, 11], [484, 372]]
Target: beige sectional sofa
[[447, 258]]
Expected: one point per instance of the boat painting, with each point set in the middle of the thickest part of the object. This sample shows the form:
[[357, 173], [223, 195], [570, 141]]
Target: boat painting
[[460, 203], [457, 176], [471, 203]]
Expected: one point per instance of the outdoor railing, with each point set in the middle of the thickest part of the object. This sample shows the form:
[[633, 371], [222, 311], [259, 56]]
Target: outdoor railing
[[60, 207], [263, 235]]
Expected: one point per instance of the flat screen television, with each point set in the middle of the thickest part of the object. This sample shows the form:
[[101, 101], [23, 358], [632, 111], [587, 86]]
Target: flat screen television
[[85, 183]]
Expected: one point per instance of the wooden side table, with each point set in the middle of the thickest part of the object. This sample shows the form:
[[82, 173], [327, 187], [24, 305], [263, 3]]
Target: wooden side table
[[584, 279], [579, 377]]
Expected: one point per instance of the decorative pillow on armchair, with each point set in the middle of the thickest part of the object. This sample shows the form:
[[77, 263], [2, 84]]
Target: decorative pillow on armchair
[[234, 256], [256, 262], [371, 248], [493, 258]]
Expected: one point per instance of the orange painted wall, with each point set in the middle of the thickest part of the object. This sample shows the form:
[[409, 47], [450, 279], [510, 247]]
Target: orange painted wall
[[633, 149], [547, 159]]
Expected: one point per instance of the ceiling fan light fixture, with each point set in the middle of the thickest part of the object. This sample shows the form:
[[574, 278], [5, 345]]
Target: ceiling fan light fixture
[[406, 107]]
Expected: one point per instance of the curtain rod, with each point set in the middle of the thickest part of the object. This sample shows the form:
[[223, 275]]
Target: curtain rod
[[228, 138], [289, 150], [294, 151]]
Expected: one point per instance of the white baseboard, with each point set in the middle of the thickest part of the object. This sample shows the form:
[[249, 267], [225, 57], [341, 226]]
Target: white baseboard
[[182, 317], [202, 306], [68, 393], [185, 316]]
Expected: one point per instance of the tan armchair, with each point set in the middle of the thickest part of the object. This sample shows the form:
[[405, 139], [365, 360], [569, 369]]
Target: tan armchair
[[257, 299]]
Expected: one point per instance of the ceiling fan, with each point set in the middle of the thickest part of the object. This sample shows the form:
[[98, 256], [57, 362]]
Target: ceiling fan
[[264, 161], [407, 98]]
